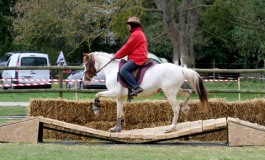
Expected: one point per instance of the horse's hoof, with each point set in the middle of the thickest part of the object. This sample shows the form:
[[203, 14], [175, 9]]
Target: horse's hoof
[[95, 107], [167, 131], [96, 112], [170, 130], [115, 129]]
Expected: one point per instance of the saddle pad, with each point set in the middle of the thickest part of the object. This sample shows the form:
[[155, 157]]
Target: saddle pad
[[138, 73]]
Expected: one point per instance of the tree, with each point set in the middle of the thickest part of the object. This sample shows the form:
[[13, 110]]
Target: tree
[[224, 29], [236, 29], [181, 30], [76, 23], [180, 20], [52, 26], [5, 25]]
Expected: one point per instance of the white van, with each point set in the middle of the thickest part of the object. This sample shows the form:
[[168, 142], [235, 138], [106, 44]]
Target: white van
[[27, 76], [4, 60]]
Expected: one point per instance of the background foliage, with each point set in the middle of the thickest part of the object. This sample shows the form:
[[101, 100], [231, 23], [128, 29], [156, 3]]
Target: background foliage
[[230, 32]]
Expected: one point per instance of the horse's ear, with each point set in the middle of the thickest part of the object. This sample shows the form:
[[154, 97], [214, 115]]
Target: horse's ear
[[86, 55]]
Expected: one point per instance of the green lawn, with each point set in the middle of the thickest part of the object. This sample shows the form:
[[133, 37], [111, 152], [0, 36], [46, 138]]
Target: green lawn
[[13, 111], [120, 152], [3, 121], [244, 85]]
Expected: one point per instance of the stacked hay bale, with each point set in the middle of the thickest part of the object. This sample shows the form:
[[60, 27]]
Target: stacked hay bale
[[142, 114], [76, 112]]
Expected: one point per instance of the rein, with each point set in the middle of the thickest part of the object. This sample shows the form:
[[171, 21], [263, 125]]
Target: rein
[[104, 66]]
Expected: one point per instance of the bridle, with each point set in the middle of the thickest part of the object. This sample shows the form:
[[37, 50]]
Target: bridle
[[90, 64]]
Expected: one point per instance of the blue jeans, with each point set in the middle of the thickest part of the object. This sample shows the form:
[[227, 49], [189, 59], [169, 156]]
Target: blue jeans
[[126, 73]]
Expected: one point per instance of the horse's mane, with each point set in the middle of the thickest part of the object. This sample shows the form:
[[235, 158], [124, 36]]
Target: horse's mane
[[102, 53]]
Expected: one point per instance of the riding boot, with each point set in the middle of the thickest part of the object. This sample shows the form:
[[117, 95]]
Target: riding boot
[[129, 97], [136, 91]]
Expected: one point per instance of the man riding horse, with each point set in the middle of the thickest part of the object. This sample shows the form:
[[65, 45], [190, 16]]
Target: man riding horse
[[137, 51]]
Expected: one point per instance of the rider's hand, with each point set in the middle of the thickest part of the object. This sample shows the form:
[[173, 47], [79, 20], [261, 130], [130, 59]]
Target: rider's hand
[[113, 58]]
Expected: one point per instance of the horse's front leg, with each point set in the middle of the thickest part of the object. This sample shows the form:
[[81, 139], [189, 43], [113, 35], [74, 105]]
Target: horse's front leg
[[118, 127], [119, 100], [96, 104]]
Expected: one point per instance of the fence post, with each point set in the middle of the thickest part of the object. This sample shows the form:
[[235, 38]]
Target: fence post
[[238, 82], [61, 80]]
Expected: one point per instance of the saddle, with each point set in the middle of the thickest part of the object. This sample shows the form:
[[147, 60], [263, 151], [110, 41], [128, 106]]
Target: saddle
[[138, 74]]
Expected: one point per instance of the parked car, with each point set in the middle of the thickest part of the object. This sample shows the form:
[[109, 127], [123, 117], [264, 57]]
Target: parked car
[[156, 58], [27, 59], [97, 82], [4, 60], [76, 81]]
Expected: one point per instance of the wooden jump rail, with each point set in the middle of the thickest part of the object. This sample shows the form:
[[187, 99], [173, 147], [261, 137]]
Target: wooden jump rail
[[239, 132], [147, 135]]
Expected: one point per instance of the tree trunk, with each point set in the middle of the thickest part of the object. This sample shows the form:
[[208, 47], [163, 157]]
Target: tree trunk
[[182, 33], [170, 26]]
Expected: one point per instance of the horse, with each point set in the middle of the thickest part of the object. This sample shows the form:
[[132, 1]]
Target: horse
[[167, 77]]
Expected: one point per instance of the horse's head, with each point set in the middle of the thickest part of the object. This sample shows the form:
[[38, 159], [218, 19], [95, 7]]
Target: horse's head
[[89, 62]]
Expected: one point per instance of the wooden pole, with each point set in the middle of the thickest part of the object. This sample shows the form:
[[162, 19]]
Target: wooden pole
[[75, 92], [61, 80], [239, 96]]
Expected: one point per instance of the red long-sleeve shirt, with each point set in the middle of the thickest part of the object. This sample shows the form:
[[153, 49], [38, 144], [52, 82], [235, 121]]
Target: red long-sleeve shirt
[[135, 48]]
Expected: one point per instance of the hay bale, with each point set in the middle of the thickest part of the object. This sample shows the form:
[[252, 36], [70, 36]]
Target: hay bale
[[76, 112], [147, 112]]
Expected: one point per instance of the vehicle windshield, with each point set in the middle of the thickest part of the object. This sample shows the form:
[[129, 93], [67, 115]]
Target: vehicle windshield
[[5, 57], [33, 61]]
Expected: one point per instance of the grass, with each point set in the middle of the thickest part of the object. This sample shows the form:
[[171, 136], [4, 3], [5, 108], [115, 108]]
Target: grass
[[13, 111], [121, 152], [244, 85], [26, 97], [3, 121]]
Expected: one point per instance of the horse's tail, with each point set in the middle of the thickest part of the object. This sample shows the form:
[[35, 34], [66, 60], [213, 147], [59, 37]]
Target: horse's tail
[[197, 84]]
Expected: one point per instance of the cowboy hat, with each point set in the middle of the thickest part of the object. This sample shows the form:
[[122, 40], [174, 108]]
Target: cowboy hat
[[135, 20]]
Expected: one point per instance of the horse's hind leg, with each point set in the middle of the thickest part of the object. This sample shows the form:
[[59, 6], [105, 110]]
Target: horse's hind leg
[[186, 93], [171, 97]]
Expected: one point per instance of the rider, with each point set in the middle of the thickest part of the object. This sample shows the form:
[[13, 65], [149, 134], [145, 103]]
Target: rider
[[136, 50]]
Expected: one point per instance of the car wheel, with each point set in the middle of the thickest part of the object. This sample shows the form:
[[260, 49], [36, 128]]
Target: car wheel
[[47, 86]]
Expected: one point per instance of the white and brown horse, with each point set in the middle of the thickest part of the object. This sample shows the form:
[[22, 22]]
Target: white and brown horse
[[167, 77]]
